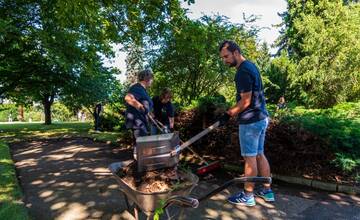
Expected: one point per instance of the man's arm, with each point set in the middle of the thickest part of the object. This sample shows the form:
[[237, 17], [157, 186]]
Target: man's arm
[[241, 105], [171, 120], [130, 99]]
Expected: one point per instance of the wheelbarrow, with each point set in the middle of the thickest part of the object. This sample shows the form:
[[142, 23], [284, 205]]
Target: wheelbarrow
[[148, 203]]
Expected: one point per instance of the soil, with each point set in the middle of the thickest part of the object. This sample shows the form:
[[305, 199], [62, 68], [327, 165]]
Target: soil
[[162, 180], [291, 151]]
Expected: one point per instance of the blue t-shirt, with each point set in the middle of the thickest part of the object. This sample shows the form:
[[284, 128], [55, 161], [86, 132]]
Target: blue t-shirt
[[248, 79], [163, 111], [134, 118]]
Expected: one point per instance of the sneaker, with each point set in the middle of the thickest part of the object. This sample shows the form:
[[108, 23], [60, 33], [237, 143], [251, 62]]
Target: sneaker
[[242, 199], [266, 194]]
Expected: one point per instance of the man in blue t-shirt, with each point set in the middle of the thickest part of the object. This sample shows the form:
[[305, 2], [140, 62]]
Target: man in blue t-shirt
[[163, 110], [139, 104], [252, 118]]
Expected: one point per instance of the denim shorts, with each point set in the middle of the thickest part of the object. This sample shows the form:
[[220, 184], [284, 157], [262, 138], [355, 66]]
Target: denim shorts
[[252, 138]]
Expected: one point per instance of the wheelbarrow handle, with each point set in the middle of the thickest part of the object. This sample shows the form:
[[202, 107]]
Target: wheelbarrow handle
[[181, 201], [234, 181]]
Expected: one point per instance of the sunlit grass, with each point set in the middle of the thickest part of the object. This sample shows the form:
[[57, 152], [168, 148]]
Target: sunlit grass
[[11, 206], [22, 131]]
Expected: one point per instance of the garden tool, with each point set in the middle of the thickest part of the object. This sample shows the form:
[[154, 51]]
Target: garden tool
[[208, 167]]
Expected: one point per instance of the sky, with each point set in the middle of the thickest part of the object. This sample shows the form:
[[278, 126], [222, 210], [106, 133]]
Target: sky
[[233, 9]]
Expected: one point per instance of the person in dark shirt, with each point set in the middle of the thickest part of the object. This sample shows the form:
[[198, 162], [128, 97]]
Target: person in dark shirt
[[252, 119], [281, 103], [163, 110], [139, 104], [97, 112]]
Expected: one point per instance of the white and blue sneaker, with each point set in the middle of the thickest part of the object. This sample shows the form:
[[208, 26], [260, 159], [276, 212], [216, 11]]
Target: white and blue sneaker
[[242, 199], [266, 194]]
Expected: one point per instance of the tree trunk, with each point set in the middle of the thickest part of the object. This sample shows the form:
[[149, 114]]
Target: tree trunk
[[47, 102], [21, 113]]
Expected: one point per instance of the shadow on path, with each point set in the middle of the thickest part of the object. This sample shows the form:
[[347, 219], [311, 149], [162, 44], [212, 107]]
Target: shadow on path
[[69, 179]]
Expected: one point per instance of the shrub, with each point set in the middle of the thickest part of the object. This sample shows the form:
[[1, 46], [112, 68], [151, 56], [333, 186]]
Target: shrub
[[6, 110], [212, 105], [61, 113], [110, 121], [339, 126]]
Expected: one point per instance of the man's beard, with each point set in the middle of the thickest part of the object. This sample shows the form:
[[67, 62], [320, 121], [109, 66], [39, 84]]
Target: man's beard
[[233, 64]]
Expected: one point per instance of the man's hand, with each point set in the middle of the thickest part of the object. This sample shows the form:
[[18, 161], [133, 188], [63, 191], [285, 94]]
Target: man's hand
[[141, 108], [167, 130], [224, 119]]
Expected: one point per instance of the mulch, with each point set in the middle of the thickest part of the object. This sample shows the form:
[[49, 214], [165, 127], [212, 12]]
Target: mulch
[[290, 150], [162, 180]]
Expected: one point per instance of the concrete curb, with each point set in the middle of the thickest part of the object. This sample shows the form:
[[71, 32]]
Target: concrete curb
[[316, 184]]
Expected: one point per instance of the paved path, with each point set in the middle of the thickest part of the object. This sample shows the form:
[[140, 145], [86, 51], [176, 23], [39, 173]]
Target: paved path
[[292, 202], [68, 179]]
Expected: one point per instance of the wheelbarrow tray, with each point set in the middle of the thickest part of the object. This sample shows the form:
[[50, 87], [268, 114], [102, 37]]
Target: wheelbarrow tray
[[148, 202]]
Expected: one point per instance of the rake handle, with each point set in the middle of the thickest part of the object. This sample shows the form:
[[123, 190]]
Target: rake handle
[[195, 138]]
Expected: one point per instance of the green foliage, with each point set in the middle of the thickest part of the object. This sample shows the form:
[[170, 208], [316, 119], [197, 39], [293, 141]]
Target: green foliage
[[346, 162], [91, 88], [112, 119], [159, 210], [278, 82], [10, 192], [61, 113], [189, 62], [116, 99], [209, 104], [339, 126], [34, 112], [23, 131], [322, 38], [112, 122], [53, 49], [6, 110]]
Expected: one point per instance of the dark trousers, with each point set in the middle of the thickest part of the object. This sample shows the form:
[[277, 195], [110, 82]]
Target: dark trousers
[[139, 132], [97, 121]]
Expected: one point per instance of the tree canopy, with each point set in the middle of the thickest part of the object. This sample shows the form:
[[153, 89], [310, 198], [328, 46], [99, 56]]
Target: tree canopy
[[48, 47], [322, 40], [189, 61]]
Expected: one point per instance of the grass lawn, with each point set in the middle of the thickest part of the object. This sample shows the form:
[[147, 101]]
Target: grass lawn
[[11, 206], [10, 132]]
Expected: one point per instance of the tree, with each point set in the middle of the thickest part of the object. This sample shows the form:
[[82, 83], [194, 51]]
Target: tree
[[189, 62], [90, 88], [321, 37], [47, 46], [278, 82], [134, 63]]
